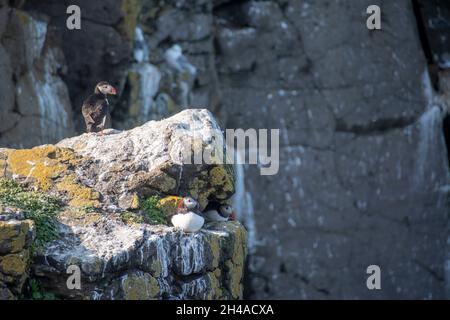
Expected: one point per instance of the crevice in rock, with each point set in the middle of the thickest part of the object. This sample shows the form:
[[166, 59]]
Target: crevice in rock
[[417, 7], [376, 127], [430, 270], [230, 13]]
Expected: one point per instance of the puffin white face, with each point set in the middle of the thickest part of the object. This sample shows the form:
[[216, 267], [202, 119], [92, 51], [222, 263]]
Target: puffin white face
[[190, 203], [106, 88], [226, 210]]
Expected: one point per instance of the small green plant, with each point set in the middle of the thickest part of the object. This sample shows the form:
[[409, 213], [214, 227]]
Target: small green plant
[[152, 211], [37, 293], [88, 209], [131, 218], [39, 207]]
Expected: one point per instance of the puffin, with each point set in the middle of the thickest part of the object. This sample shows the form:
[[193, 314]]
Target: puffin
[[95, 108], [187, 217], [215, 211]]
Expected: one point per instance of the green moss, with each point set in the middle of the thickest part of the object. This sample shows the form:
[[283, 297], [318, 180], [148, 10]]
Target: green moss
[[153, 212], [35, 292], [131, 218], [40, 208], [87, 209]]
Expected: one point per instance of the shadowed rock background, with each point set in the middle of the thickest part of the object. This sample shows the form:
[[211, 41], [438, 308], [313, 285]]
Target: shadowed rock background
[[364, 171]]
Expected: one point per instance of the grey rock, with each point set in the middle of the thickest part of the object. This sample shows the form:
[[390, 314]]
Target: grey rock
[[364, 168], [148, 160], [140, 262]]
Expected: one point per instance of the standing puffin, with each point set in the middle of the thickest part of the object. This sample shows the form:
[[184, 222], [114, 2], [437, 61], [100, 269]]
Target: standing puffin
[[187, 217], [95, 108]]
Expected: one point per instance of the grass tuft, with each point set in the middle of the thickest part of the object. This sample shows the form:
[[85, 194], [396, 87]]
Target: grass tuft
[[152, 212], [37, 293], [39, 207]]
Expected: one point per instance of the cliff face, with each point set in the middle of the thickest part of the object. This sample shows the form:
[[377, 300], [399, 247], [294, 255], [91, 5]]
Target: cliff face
[[363, 157], [89, 213], [35, 106]]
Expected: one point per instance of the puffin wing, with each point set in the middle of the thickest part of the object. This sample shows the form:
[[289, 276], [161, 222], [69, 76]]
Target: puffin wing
[[87, 109], [213, 215], [95, 109]]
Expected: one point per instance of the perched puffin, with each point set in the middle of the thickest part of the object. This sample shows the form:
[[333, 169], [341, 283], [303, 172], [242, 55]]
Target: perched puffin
[[187, 218], [215, 211], [95, 108]]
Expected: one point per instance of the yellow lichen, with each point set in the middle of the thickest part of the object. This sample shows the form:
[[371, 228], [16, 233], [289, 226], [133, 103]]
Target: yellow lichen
[[235, 276], [215, 290], [131, 218], [18, 243], [8, 230], [13, 235], [235, 265], [219, 177], [42, 164], [215, 249], [199, 191], [165, 182], [140, 287], [3, 166], [239, 243], [79, 217], [169, 205], [79, 195], [135, 201], [14, 264]]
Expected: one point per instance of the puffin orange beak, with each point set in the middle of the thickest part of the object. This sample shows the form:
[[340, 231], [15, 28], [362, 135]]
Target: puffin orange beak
[[113, 90], [233, 216]]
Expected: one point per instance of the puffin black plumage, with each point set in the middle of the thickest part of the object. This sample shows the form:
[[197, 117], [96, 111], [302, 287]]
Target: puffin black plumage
[[95, 108], [215, 211]]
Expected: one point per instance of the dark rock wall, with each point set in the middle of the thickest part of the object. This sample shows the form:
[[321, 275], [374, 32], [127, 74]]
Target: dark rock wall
[[35, 106], [363, 159]]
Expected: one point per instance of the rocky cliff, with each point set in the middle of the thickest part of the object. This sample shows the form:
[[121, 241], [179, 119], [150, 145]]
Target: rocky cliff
[[87, 196], [364, 169]]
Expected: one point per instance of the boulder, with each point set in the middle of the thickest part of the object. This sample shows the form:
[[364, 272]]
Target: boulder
[[140, 261], [100, 183], [146, 161]]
